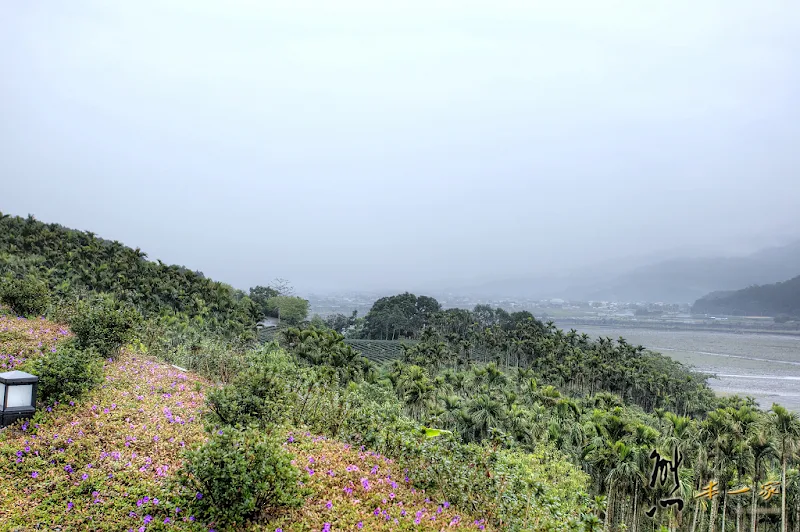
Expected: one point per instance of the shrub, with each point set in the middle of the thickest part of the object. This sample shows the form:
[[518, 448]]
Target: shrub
[[236, 474], [66, 374], [271, 389], [104, 324], [27, 296], [261, 394]]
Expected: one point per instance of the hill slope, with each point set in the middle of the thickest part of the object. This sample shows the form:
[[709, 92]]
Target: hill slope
[[766, 300], [75, 263], [103, 463]]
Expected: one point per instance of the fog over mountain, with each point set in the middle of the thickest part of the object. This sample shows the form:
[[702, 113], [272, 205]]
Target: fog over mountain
[[414, 145], [676, 280]]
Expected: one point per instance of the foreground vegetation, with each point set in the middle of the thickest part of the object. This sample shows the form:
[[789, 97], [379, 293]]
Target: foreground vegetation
[[158, 403]]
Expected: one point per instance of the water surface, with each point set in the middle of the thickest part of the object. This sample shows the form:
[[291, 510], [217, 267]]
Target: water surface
[[764, 366]]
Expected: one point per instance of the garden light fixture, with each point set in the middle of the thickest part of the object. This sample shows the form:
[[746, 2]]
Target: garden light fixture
[[17, 396]]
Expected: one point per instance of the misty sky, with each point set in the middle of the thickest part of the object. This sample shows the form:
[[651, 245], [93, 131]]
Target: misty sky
[[369, 144]]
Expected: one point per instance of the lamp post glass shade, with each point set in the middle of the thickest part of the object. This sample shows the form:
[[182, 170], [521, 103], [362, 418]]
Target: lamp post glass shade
[[17, 396]]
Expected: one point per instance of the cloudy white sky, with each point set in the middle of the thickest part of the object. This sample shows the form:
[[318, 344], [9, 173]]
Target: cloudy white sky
[[366, 144]]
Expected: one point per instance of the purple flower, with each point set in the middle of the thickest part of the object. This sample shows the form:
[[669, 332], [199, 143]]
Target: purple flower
[[167, 520], [69, 505], [329, 505], [34, 474], [148, 518], [198, 496]]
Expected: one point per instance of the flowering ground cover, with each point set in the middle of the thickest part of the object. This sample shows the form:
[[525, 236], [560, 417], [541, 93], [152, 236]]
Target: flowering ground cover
[[21, 338], [102, 464], [357, 489]]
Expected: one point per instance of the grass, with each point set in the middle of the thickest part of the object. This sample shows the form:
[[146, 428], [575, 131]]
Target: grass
[[104, 463]]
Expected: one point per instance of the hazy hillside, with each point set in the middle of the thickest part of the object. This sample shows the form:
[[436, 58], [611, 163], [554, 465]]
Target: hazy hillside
[[779, 299], [679, 280]]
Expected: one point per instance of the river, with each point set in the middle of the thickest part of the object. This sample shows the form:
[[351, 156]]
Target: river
[[764, 366]]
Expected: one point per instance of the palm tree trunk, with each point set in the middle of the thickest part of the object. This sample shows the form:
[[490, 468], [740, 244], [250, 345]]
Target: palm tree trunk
[[784, 523], [753, 517], [739, 516], [713, 517], [696, 513], [724, 508], [703, 520], [622, 509], [609, 507], [635, 515]]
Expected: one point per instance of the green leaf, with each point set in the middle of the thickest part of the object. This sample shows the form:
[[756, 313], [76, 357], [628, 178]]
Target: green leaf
[[433, 433]]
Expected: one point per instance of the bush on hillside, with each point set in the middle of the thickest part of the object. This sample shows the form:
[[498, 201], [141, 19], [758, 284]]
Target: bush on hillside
[[271, 389], [68, 373], [259, 395], [104, 324], [27, 296], [237, 473]]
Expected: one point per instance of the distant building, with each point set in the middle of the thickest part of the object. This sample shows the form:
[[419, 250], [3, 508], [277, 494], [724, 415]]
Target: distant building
[[268, 323]]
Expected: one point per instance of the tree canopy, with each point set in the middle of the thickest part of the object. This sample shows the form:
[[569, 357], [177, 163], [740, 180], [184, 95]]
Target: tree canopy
[[779, 299]]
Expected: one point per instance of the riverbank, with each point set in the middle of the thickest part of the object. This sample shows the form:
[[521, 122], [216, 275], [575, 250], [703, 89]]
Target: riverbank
[[572, 323]]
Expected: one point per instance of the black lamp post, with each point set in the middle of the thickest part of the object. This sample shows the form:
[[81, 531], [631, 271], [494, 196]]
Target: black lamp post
[[17, 396]]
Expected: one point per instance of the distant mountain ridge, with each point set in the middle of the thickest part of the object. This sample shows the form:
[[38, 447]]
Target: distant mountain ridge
[[678, 280], [685, 280], [778, 299]]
